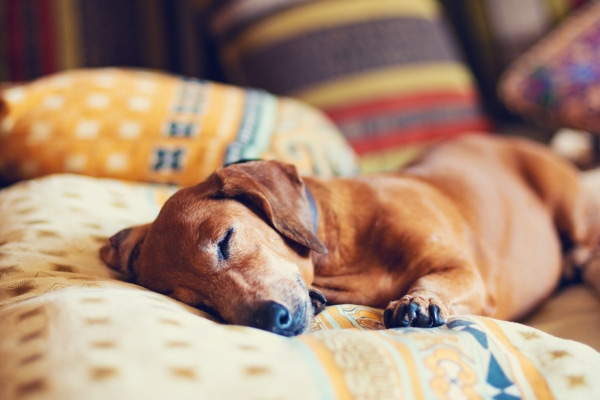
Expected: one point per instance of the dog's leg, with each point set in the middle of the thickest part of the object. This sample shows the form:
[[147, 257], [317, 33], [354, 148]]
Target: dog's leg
[[318, 300], [575, 207], [433, 297], [578, 220], [591, 273]]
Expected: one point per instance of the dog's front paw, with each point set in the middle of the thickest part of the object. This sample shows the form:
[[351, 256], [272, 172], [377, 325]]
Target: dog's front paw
[[414, 311], [318, 300]]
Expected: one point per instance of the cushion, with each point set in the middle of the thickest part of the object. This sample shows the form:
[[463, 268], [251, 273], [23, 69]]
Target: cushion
[[150, 126], [69, 330], [494, 33], [556, 82], [386, 72]]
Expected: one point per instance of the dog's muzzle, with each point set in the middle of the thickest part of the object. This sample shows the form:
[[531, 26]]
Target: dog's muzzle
[[275, 317]]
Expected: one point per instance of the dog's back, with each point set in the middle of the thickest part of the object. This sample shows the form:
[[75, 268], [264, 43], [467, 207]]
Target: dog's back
[[525, 201]]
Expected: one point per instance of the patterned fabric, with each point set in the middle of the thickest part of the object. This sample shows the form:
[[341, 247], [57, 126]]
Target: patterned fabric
[[557, 81], [494, 33], [386, 72], [147, 126], [68, 330]]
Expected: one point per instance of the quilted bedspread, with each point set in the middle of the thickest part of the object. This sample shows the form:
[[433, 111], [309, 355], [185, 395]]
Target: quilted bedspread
[[70, 330]]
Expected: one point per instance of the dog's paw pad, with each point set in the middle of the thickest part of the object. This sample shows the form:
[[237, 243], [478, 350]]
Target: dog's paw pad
[[414, 312]]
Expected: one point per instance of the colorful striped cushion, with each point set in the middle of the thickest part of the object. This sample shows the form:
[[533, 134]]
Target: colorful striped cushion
[[147, 126], [386, 72]]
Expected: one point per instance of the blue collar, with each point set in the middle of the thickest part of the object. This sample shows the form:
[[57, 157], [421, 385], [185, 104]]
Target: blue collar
[[314, 212]]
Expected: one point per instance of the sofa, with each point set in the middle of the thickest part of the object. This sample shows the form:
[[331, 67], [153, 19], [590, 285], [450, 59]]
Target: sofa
[[88, 151]]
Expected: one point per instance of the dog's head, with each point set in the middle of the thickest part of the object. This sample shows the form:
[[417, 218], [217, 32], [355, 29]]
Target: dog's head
[[237, 245]]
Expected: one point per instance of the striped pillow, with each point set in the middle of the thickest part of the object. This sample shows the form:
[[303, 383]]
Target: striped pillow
[[386, 72]]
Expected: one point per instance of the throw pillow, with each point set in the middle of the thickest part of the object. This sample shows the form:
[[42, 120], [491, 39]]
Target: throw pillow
[[387, 72], [149, 126]]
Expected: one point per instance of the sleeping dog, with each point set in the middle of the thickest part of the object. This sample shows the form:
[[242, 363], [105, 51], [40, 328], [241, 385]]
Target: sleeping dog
[[478, 225]]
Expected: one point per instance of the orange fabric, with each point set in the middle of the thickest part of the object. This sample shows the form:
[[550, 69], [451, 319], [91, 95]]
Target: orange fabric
[[148, 126]]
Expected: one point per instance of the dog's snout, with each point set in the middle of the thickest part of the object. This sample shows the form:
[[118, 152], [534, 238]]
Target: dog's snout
[[276, 318]]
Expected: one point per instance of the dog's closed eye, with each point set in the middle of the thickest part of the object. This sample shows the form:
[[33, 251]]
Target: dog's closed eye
[[223, 245]]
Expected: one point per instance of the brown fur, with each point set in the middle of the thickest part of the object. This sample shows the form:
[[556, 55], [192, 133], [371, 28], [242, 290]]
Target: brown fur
[[473, 227]]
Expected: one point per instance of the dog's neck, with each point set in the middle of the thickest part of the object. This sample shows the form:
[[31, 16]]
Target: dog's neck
[[314, 211]]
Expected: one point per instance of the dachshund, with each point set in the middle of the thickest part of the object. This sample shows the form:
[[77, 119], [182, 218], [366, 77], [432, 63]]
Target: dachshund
[[481, 224]]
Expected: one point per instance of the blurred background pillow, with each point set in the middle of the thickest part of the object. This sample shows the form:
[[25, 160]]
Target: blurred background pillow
[[387, 72], [557, 82]]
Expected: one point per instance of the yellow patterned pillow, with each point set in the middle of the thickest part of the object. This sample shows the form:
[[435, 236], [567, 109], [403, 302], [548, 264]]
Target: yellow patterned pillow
[[149, 126]]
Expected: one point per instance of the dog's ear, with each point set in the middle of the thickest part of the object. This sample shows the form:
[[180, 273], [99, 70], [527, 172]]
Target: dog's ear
[[276, 189], [122, 249]]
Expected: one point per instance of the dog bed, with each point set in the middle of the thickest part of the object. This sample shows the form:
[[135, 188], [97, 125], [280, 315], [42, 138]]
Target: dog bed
[[69, 329]]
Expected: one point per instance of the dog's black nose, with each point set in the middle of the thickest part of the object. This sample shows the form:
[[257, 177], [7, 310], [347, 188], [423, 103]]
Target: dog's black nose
[[276, 318], [279, 316]]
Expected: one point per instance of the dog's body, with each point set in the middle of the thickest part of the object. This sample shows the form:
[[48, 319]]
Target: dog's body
[[473, 227]]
